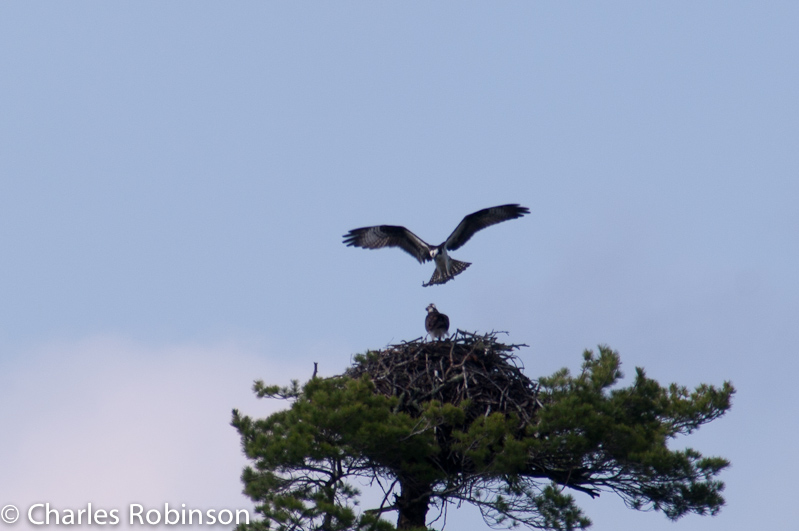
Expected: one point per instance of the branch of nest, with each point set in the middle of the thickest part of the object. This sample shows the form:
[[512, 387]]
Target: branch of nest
[[465, 366]]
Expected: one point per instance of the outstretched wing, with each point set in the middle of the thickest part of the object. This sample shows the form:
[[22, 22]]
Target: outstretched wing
[[389, 236], [482, 219]]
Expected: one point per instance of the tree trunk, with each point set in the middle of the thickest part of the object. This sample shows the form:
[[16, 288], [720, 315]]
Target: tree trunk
[[413, 502]]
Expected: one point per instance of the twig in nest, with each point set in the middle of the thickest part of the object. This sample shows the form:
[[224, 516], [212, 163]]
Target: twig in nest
[[466, 366]]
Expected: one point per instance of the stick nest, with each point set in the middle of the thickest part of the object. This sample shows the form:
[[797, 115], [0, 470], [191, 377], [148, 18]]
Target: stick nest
[[464, 367]]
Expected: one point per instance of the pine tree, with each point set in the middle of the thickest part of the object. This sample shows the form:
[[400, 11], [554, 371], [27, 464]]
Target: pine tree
[[434, 423]]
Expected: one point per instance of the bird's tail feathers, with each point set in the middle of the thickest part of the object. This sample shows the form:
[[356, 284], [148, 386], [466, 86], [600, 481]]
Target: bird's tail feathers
[[456, 268]]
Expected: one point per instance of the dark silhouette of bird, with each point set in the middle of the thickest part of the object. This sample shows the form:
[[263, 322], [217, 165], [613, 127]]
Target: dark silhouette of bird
[[446, 268], [436, 323]]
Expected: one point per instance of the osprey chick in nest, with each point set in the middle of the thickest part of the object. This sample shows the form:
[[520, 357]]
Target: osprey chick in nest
[[446, 268], [436, 323]]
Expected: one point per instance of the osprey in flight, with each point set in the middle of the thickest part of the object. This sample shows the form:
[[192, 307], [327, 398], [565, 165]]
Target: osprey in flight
[[436, 323], [446, 268]]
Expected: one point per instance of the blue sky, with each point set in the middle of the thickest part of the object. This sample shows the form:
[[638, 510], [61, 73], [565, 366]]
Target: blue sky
[[175, 179]]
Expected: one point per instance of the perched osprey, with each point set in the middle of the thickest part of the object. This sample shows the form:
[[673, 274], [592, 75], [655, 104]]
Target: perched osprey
[[446, 268], [436, 323]]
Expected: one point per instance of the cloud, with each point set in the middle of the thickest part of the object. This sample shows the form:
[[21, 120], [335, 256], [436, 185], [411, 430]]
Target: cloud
[[111, 422]]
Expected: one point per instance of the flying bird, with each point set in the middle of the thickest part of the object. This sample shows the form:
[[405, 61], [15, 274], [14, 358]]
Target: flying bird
[[446, 267], [436, 323]]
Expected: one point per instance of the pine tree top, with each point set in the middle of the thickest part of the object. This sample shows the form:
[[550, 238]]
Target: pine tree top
[[456, 421]]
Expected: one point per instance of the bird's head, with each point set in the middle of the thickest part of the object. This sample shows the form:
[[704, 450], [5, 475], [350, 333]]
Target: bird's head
[[431, 308]]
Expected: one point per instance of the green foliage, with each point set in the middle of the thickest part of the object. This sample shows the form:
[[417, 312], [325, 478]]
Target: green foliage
[[589, 435], [336, 429], [617, 439]]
